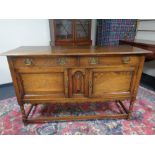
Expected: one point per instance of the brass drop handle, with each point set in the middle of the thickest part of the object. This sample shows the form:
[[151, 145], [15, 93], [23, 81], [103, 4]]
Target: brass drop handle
[[93, 61], [28, 62], [61, 61], [126, 60]]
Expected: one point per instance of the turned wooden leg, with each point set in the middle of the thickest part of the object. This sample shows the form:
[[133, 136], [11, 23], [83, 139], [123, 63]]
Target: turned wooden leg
[[23, 112], [131, 108]]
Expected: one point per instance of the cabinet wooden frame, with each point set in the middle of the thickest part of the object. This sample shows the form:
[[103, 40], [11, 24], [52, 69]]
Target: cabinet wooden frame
[[74, 40], [77, 81], [68, 91]]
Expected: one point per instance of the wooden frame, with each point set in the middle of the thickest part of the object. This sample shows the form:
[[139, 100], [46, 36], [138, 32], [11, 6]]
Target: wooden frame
[[144, 44], [124, 114], [74, 40], [77, 69]]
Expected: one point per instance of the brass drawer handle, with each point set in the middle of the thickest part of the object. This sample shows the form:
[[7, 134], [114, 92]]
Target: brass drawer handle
[[93, 61], [126, 60], [61, 61], [28, 62]]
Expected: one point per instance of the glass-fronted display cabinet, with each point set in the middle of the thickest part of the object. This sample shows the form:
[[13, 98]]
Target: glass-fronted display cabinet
[[72, 31]]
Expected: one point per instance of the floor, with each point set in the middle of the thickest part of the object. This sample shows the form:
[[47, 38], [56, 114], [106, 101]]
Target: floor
[[141, 123], [148, 82], [7, 90]]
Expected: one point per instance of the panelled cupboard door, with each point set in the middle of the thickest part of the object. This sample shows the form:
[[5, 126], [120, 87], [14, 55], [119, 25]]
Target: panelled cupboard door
[[43, 81], [111, 81], [78, 83]]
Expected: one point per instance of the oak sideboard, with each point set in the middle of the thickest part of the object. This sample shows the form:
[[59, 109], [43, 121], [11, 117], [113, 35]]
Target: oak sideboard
[[46, 75]]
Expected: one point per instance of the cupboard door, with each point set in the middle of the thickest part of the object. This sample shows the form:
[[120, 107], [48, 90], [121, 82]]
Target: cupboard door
[[44, 82], [72, 32], [78, 83], [63, 29], [111, 81], [82, 29]]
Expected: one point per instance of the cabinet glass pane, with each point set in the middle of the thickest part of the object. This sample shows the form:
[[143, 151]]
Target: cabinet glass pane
[[83, 28], [63, 29]]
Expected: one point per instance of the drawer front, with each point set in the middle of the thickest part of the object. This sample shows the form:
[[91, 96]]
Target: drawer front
[[44, 61], [115, 60]]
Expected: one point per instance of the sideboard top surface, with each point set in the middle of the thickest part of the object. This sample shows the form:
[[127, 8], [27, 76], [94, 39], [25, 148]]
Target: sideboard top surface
[[74, 51]]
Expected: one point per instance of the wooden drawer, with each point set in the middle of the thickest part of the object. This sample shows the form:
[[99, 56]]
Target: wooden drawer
[[44, 61], [115, 60]]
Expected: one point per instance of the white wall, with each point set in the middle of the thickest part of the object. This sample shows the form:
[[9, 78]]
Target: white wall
[[149, 67], [25, 32], [93, 31], [15, 33]]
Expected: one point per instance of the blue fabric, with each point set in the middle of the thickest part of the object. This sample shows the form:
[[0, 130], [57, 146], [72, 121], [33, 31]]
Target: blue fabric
[[110, 31]]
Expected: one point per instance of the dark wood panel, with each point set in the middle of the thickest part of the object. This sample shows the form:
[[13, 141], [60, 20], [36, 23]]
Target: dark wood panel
[[144, 44]]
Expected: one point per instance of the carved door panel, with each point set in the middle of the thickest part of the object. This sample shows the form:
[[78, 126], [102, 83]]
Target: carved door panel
[[112, 81], [78, 85]]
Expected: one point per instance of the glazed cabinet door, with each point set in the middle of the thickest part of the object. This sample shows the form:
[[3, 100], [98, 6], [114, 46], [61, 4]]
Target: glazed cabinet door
[[111, 82], [43, 82], [82, 29], [63, 31]]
